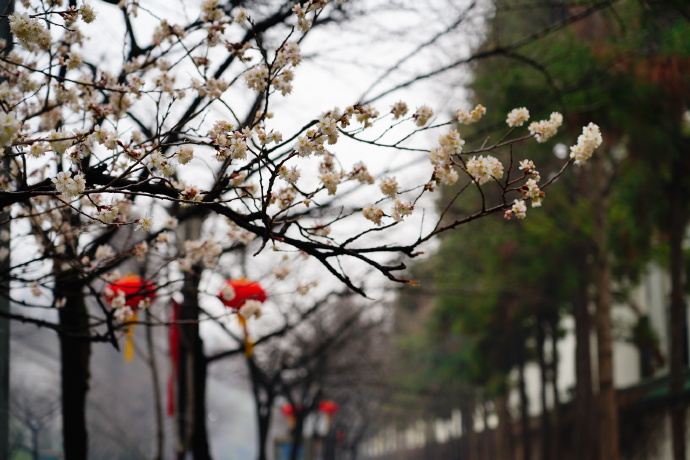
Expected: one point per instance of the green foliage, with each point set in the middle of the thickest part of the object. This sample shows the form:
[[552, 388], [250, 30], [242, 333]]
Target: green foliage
[[494, 280]]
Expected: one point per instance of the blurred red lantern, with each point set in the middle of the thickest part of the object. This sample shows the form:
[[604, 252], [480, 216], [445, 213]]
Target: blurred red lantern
[[234, 295], [328, 407], [134, 289], [290, 412], [244, 290]]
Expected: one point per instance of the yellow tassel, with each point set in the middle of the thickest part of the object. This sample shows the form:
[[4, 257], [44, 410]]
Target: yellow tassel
[[248, 347], [129, 339], [248, 344]]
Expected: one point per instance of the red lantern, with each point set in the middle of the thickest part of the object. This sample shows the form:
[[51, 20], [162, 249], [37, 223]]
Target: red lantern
[[290, 412], [328, 407], [133, 287], [135, 291], [244, 290], [287, 410]]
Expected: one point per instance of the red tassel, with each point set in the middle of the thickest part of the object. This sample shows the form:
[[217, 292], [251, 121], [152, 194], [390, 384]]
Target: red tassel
[[174, 345], [171, 396]]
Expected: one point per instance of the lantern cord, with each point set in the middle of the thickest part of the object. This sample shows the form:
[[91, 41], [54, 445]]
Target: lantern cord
[[248, 344], [129, 339]]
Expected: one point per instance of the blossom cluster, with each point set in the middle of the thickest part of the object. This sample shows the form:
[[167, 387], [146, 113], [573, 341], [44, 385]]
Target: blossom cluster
[[399, 110], [30, 32], [589, 140], [68, 185], [423, 114], [531, 190], [306, 13], [205, 252], [517, 117], [9, 129], [545, 129], [251, 309], [484, 168], [467, 117], [280, 73], [518, 209]]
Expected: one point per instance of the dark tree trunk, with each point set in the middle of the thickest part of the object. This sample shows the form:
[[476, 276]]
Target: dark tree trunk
[[192, 435], [35, 454], [543, 376], [185, 382], [506, 449], [678, 320], [296, 435], [584, 439], [524, 408], [354, 452], [182, 440], [200, 437], [470, 447], [329, 446], [608, 406], [75, 351], [557, 417], [264, 424], [155, 385], [488, 448], [263, 401]]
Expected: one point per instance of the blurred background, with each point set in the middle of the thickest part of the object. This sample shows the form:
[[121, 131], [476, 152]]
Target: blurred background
[[561, 336]]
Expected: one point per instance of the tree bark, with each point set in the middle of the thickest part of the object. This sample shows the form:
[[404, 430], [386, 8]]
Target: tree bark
[[543, 375], [264, 425], [200, 446], [75, 352], [524, 408], [155, 384], [608, 408], [584, 441], [469, 436], [192, 435], [297, 434], [506, 448], [35, 454], [678, 319], [557, 416], [263, 405]]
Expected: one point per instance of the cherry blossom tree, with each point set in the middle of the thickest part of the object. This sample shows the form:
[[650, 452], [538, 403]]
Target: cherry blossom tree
[[182, 151]]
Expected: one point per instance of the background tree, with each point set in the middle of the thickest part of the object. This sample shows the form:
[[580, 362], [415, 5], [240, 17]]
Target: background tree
[[35, 412], [620, 76]]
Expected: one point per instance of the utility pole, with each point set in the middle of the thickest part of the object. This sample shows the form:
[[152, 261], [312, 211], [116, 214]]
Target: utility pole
[[7, 8]]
